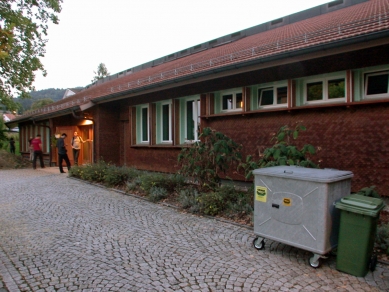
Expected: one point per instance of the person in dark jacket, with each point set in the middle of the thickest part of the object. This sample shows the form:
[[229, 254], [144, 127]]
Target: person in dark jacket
[[62, 153], [12, 145]]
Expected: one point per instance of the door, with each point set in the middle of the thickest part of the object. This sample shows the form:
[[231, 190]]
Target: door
[[68, 131], [86, 153]]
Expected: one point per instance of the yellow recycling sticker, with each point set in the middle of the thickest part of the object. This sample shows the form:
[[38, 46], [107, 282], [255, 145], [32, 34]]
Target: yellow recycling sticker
[[261, 194]]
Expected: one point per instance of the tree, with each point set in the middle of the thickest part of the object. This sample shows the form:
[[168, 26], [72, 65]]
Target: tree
[[41, 103], [3, 135], [102, 72], [23, 26]]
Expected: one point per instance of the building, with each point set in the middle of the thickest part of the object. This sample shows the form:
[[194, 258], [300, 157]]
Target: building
[[326, 67]]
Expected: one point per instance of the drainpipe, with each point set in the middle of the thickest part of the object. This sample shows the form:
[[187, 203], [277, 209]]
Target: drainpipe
[[50, 152]]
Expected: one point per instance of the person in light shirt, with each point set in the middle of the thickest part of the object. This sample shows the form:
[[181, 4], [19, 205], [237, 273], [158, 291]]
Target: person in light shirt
[[76, 145]]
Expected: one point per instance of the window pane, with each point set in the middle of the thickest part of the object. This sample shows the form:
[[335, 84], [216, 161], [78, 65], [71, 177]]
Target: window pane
[[282, 95], [227, 102], [377, 84], [239, 100], [336, 88], [189, 121], [145, 136], [315, 91], [265, 96], [165, 122]]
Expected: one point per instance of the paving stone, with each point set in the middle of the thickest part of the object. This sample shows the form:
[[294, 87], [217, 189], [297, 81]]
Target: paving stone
[[62, 234]]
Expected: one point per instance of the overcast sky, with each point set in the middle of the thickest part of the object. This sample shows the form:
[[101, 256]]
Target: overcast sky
[[125, 33]]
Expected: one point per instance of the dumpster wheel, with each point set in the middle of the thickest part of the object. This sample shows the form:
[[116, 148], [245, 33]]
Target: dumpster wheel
[[314, 261], [259, 245]]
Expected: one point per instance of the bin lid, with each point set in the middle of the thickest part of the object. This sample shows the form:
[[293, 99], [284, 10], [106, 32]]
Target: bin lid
[[326, 175], [361, 204]]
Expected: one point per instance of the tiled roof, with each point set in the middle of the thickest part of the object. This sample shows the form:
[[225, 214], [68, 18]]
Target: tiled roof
[[347, 23], [8, 117]]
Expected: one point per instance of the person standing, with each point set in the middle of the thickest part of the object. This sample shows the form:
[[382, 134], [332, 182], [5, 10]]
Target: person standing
[[76, 145], [37, 146], [62, 153], [31, 148], [12, 145]]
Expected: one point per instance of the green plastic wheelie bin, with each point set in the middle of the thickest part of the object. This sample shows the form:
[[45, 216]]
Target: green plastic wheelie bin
[[358, 224]]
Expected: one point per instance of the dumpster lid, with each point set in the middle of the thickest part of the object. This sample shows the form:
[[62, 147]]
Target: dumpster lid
[[361, 204], [303, 173]]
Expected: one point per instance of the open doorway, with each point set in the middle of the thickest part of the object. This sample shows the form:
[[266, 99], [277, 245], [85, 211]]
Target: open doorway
[[86, 133]]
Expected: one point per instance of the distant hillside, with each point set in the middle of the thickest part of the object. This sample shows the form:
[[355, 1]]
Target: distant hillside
[[53, 93]]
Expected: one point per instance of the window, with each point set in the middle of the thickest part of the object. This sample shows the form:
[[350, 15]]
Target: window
[[144, 118], [232, 101], [377, 84], [274, 95], [325, 89], [192, 121], [166, 122]]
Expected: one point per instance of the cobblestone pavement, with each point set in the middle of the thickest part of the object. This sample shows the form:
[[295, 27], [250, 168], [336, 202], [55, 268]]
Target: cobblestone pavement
[[61, 234]]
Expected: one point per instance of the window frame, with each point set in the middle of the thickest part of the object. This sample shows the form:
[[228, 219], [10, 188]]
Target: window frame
[[141, 124], [160, 129], [325, 89], [274, 88], [366, 84], [234, 93], [196, 127]]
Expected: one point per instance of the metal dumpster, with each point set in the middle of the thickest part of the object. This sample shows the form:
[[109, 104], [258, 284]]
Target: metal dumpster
[[295, 206]]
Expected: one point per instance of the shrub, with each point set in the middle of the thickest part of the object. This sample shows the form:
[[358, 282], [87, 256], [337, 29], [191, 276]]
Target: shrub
[[157, 194], [242, 203], [92, 172], [170, 182], [222, 200], [189, 199], [118, 176], [282, 152], [76, 171], [206, 159], [133, 184], [369, 192]]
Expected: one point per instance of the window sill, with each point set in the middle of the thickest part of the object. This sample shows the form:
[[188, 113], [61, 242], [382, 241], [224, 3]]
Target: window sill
[[155, 146], [324, 102]]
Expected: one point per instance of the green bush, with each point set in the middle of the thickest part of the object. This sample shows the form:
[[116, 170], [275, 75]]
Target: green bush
[[76, 171], [157, 194], [133, 184], [189, 199], [226, 200], [243, 203], [118, 176], [282, 152], [170, 182], [205, 160], [90, 172], [369, 192]]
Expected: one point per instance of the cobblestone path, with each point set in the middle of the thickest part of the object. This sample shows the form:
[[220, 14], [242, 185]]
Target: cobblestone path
[[61, 234]]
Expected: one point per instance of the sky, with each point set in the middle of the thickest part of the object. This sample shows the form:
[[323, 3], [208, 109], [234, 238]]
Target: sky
[[125, 33]]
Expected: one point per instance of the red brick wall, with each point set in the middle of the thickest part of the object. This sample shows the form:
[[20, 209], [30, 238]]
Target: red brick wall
[[107, 133], [354, 139], [163, 159]]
